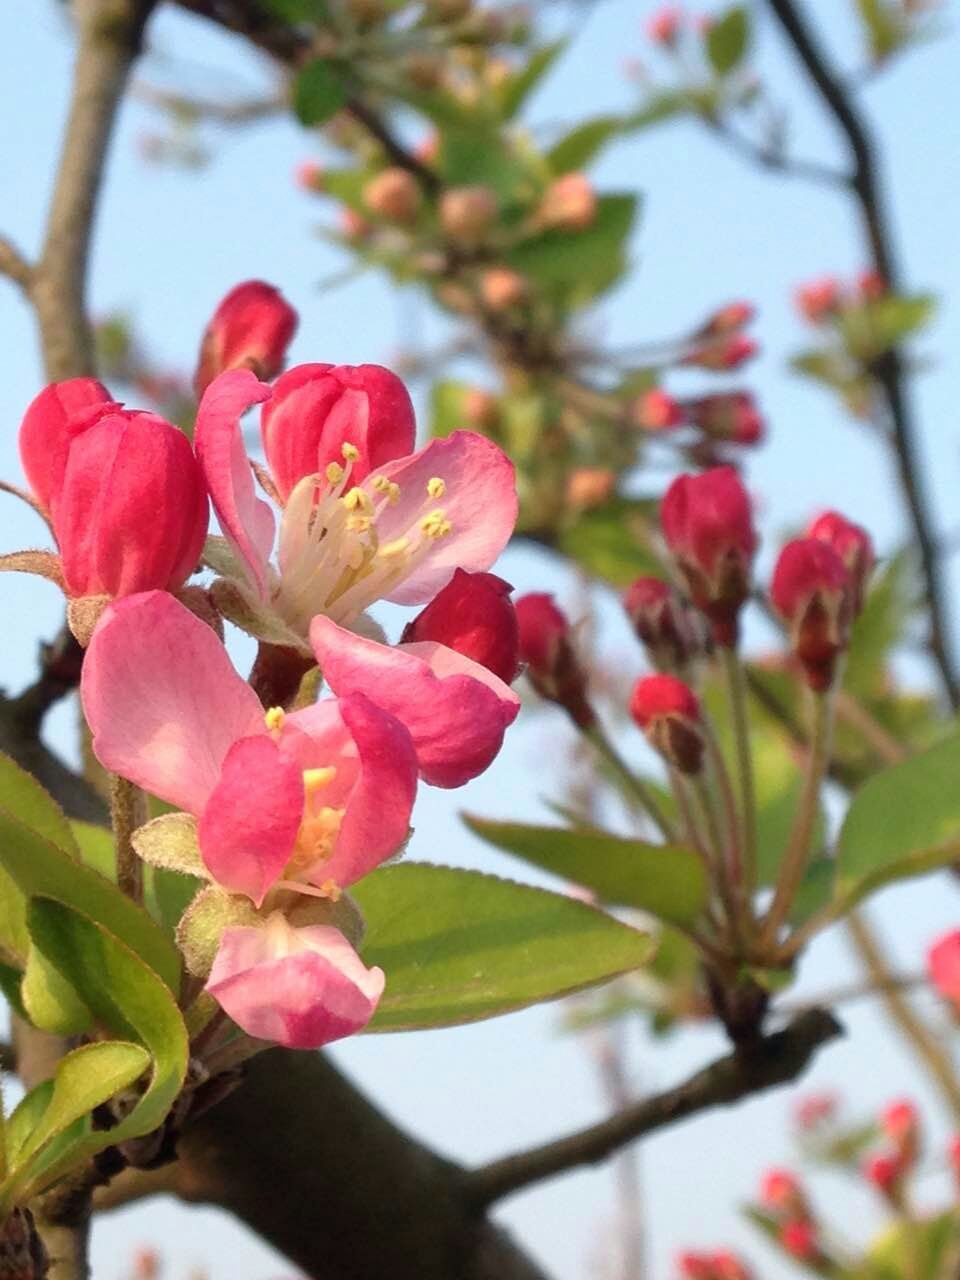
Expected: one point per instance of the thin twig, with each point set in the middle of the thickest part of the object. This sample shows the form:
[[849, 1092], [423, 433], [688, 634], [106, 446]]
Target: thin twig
[[14, 265], [773, 1060], [768, 158], [128, 811]]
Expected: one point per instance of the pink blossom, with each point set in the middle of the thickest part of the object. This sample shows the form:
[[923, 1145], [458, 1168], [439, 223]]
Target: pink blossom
[[48, 429], [317, 797], [300, 987], [943, 965], [250, 329]]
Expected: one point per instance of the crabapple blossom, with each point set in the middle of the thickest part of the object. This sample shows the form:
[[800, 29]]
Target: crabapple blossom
[[250, 329]]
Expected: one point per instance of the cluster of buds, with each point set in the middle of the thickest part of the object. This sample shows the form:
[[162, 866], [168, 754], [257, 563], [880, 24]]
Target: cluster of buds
[[887, 1170], [783, 1198], [719, 1264], [820, 301], [669, 630], [729, 417]]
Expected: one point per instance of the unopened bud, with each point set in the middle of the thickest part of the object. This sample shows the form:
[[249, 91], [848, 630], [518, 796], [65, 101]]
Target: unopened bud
[[480, 408], [885, 1172], [815, 1110], [552, 664], [900, 1122], [501, 289], [665, 25], [799, 1239], [943, 966], [668, 712], [664, 625], [694, 1266], [353, 225], [656, 411], [250, 329], [729, 352], [708, 526], [811, 592], [394, 195], [781, 1192], [467, 213], [732, 416], [953, 1156], [589, 487], [871, 286], [309, 175], [854, 547], [819, 299], [727, 1265], [475, 616], [728, 319], [568, 204]]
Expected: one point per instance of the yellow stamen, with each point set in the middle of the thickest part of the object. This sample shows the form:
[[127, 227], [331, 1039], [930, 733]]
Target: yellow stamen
[[436, 487], [381, 484], [314, 779], [357, 499], [274, 718], [350, 452], [395, 548], [436, 524], [330, 889], [358, 524], [334, 472]]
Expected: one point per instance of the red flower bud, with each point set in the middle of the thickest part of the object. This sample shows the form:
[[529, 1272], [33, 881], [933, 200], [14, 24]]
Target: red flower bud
[[813, 1111], [250, 329], [819, 299], [799, 1239], [474, 615], [132, 512], [663, 624], [811, 592], [668, 712], [943, 966], [733, 416], [656, 411], [728, 319], [546, 648], [309, 175], [49, 426], [726, 353], [501, 288], [568, 204], [871, 286], [780, 1191], [317, 408], [854, 547], [467, 213], [664, 26], [394, 195], [884, 1172], [953, 1156], [708, 527], [726, 1265], [694, 1266], [900, 1122]]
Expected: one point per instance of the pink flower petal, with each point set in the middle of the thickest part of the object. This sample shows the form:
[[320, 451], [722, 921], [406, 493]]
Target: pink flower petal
[[302, 988], [250, 823], [245, 519], [455, 710], [480, 501], [162, 699]]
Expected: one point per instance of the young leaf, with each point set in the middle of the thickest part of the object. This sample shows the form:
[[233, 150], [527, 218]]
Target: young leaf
[[458, 946], [519, 87], [319, 92], [49, 1000], [577, 148], [727, 40], [22, 796], [578, 266], [613, 541], [669, 881]]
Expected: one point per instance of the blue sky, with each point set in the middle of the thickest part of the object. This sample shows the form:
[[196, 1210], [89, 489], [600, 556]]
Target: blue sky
[[170, 244]]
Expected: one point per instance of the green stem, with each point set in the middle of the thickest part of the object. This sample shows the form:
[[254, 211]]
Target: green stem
[[737, 688], [804, 823], [631, 782], [128, 811], [723, 881]]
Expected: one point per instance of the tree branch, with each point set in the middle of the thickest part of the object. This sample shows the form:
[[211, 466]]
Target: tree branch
[[767, 158], [14, 265], [889, 371], [776, 1059]]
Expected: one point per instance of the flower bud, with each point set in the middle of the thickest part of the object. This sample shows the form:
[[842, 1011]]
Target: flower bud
[[49, 426], [132, 512], [811, 592], [900, 1122], [708, 526], [885, 1172], [943, 966], [664, 26], [815, 1110], [589, 487], [428, 148], [953, 1157], [552, 664], [480, 408], [728, 352], [316, 409], [569, 204], [663, 624], [656, 411], [309, 175], [501, 288], [728, 319], [799, 1239], [250, 329], [726, 1265], [781, 1192], [467, 213], [394, 195], [353, 225], [668, 712], [871, 286], [694, 1266], [854, 547], [474, 615], [733, 416], [819, 299]]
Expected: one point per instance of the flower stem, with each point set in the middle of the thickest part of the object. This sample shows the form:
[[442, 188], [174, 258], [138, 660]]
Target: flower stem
[[737, 688], [804, 823], [128, 810], [631, 782]]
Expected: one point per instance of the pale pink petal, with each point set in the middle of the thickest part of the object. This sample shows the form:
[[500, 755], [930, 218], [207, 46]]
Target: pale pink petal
[[249, 826], [245, 519], [480, 501], [162, 699], [456, 714], [302, 989]]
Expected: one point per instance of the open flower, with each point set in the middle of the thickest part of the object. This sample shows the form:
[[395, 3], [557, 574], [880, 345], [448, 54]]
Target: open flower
[[399, 534], [310, 800]]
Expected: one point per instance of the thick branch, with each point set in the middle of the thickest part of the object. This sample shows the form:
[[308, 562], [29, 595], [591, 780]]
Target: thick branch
[[889, 371], [776, 1059]]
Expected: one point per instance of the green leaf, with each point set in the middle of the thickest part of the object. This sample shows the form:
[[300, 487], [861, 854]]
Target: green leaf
[[96, 847], [576, 149], [22, 796], [128, 999], [924, 1249], [483, 156], [49, 1000], [319, 92], [308, 11], [518, 88], [458, 946], [578, 266], [40, 868], [728, 40], [613, 541], [669, 881], [905, 821], [84, 1080]]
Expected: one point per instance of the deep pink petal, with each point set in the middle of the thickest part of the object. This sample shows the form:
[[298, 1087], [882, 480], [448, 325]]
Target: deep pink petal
[[249, 826], [245, 519], [455, 710], [302, 988], [162, 699], [480, 502]]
